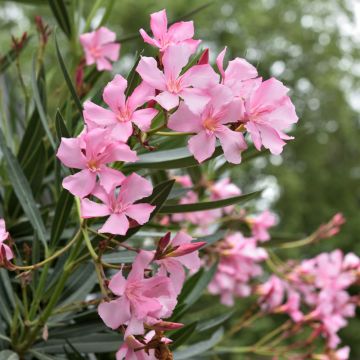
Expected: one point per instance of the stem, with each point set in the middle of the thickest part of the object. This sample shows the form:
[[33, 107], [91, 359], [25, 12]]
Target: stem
[[298, 243], [22, 84], [273, 333]]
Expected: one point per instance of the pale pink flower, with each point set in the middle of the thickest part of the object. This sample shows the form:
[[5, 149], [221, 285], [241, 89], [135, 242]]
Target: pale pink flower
[[140, 300], [189, 86], [120, 205], [260, 224], [240, 76], [268, 113], [100, 47], [180, 252], [239, 258], [90, 152], [179, 33], [5, 250], [272, 293], [210, 124], [123, 112], [224, 189]]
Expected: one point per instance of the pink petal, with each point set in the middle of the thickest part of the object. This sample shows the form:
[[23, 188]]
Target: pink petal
[[149, 72], [118, 283], [158, 23], [135, 327], [98, 114], [134, 188], [176, 271], [114, 94], [90, 209], [234, 111], [111, 51], [200, 76], [239, 70], [233, 143], [184, 120], [181, 238], [8, 252], [118, 151], [109, 177], [141, 262], [116, 224], [195, 99], [148, 39], [252, 128], [87, 39], [167, 100], [140, 212], [220, 63], [115, 313], [103, 64], [70, 154], [143, 117], [202, 145], [122, 131], [174, 59], [96, 140], [104, 35], [140, 96], [181, 31], [271, 139], [80, 184], [192, 44]]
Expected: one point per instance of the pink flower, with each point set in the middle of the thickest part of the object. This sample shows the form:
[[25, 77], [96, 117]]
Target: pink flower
[[139, 300], [210, 124], [239, 76], [179, 252], [100, 47], [128, 350], [120, 205], [224, 189], [272, 293], [5, 250], [90, 152], [178, 33], [260, 224], [268, 112], [239, 258], [173, 86], [123, 112]]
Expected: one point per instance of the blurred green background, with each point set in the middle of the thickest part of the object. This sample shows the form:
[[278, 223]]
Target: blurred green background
[[313, 47]]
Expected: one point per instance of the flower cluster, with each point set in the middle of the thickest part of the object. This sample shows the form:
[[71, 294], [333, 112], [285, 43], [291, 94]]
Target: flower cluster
[[319, 285], [149, 294]]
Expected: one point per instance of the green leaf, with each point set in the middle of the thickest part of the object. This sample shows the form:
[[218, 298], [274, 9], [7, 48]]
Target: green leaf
[[157, 198], [208, 205], [41, 356], [22, 190], [61, 217], [8, 355], [8, 59], [59, 10], [133, 78], [216, 321], [39, 104], [199, 348], [169, 159], [180, 336], [120, 257], [61, 129], [67, 78], [213, 238], [74, 354]]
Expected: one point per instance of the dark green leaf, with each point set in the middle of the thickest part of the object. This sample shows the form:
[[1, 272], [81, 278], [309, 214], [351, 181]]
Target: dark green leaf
[[208, 205], [61, 129], [8, 355], [169, 159], [180, 336], [199, 348], [68, 79], [40, 105], [7, 59], [59, 10], [213, 238], [61, 216], [216, 321], [22, 190], [133, 78]]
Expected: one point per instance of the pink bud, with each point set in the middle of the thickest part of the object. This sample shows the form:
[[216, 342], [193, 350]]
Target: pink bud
[[166, 326], [164, 242], [184, 249], [204, 58]]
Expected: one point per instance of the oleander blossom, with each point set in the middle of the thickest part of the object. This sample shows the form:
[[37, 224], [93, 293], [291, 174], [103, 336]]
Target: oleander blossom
[[260, 224], [189, 86], [123, 112], [5, 250], [100, 48], [238, 265], [120, 204], [91, 152], [321, 284], [139, 300], [179, 33], [209, 124], [179, 252]]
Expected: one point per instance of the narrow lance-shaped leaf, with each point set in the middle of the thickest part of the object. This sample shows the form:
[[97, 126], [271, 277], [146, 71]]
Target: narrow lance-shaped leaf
[[39, 105], [61, 129], [208, 205], [60, 12], [22, 190], [67, 78], [10, 56]]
